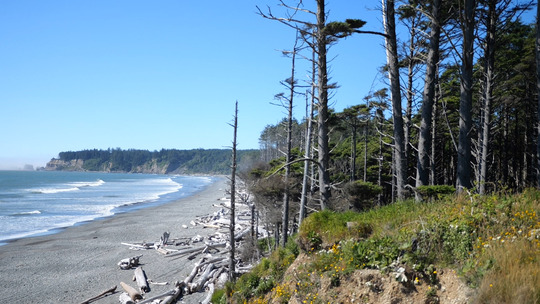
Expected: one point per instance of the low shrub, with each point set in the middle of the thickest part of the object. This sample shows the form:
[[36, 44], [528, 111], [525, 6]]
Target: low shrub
[[362, 195], [435, 191]]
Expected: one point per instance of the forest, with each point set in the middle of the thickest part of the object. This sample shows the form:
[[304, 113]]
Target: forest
[[459, 112], [436, 172], [196, 161]]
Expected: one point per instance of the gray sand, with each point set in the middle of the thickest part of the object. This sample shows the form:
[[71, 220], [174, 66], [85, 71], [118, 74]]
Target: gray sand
[[81, 262]]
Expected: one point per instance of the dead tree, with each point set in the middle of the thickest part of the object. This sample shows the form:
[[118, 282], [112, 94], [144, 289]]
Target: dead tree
[[287, 102], [233, 191]]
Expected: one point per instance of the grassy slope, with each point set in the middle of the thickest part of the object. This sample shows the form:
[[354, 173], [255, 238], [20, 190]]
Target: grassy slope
[[491, 242]]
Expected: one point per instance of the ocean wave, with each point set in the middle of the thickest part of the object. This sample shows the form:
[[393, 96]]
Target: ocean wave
[[53, 190], [97, 183], [27, 213], [74, 186]]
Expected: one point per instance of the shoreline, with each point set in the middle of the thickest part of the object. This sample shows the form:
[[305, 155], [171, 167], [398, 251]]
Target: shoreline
[[80, 261], [163, 199]]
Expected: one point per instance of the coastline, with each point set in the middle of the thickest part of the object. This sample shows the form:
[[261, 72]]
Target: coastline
[[81, 261]]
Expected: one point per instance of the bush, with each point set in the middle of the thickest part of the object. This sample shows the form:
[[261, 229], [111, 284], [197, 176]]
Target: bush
[[325, 228], [435, 191], [362, 194]]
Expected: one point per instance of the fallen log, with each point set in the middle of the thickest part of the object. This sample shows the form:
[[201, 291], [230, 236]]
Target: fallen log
[[198, 266], [162, 251], [196, 253], [150, 300], [110, 290], [197, 286], [185, 251], [193, 272], [157, 283], [211, 226], [141, 279], [177, 293], [240, 235], [137, 246], [132, 292], [209, 295]]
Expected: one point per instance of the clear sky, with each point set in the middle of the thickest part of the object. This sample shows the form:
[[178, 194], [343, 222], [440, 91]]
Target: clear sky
[[148, 75]]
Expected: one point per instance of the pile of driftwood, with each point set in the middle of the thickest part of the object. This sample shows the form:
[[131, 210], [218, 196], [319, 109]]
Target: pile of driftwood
[[212, 251]]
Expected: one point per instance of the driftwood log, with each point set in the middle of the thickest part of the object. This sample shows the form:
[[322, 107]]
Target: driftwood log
[[197, 286], [141, 279], [129, 263], [110, 290], [125, 299], [211, 270], [209, 295], [132, 292], [177, 293], [165, 294]]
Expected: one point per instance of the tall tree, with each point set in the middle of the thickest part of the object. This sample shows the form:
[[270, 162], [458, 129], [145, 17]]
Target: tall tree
[[489, 77], [319, 36], [233, 197], [466, 96], [537, 54], [428, 98], [287, 102], [322, 105], [395, 89], [307, 156], [351, 116]]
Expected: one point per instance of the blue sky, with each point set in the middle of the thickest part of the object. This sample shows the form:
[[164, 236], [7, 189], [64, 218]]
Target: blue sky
[[156, 74]]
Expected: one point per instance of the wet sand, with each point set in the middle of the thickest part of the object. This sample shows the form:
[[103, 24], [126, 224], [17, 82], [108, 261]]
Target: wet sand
[[81, 261]]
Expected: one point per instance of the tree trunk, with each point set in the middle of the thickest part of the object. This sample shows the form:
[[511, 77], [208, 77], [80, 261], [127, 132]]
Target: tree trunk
[[410, 93], [538, 89], [486, 110], [233, 195], [307, 155], [366, 129], [465, 102], [395, 89], [285, 218], [432, 175], [322, 107], [353, 153], [424, 139]]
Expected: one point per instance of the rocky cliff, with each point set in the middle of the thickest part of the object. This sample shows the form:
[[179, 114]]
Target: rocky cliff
[[61, 165], [150, 167]]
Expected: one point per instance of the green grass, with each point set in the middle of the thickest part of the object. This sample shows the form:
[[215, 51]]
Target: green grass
[[492, 241]]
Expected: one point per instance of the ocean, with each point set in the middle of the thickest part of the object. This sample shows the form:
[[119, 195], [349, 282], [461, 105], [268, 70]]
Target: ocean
[[40, 202]]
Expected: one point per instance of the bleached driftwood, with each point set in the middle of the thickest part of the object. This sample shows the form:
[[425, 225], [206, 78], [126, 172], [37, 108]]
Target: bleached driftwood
[[197, 286], [141, 279], [129, 263], [241, 235], [125, 299], [150, 300], [110, 290], [177, 293], [198, 267], [162, 250], [143, 246], [157, 283], [184, 251], [132, 292], [209, 294]]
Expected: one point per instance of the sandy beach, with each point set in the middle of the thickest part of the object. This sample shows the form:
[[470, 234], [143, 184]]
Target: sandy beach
[[81, 261]]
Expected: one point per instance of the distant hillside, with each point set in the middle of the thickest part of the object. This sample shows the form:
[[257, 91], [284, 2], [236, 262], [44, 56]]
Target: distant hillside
[[170, 161]]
